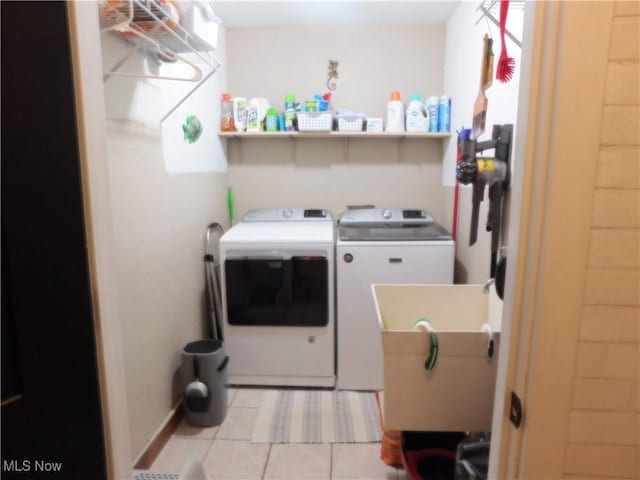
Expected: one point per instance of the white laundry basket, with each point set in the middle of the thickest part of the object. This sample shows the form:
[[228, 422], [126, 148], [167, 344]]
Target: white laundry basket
[[457, 393], [349, 121], [315, 121]]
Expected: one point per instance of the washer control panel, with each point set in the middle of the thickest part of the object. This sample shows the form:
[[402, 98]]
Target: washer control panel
[[386, 215]]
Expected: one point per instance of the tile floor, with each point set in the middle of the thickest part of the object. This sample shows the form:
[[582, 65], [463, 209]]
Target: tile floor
[[227, 452]]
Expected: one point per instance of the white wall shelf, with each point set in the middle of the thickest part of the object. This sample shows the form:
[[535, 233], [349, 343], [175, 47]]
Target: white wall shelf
[[294, 135]]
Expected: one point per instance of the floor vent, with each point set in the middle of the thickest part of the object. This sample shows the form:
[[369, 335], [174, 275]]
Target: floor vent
[[148, 475]]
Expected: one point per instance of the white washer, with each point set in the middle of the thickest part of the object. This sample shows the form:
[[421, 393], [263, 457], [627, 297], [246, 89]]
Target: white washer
[[378, 245], [277, 283]]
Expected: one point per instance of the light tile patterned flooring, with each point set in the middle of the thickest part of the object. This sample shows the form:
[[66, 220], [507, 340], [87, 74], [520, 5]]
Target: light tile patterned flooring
[[227, 452]]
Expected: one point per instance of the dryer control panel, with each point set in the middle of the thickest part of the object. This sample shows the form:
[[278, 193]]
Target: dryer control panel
[[288, 214]]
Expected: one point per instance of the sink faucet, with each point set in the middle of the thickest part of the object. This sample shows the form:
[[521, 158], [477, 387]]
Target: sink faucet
[[487, 285]]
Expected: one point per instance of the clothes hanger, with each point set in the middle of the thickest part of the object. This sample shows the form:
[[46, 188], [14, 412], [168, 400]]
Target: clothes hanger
[[173, 56]]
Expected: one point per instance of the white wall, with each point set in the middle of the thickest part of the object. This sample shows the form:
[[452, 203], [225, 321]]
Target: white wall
[[334, 173], [462, 65], [159, 219]]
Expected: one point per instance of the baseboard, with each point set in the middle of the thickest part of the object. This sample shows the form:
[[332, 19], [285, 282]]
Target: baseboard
[[160, 439]]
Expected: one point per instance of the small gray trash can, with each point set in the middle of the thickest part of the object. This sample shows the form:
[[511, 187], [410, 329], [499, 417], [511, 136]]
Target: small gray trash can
[[204, 378]]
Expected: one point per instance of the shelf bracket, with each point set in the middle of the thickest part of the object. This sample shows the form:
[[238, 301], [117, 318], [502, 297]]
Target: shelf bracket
[[345, 149], [401, 149]]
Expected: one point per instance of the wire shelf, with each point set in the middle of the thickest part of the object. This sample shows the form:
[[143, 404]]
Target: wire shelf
[[490, 9], [153, 27], [155, 21]]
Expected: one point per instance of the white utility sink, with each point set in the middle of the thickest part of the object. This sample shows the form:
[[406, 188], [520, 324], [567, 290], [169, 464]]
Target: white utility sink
[[457, 393]]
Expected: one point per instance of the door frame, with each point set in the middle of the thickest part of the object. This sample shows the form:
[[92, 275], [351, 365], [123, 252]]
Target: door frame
[[548, 149], [86, 55]]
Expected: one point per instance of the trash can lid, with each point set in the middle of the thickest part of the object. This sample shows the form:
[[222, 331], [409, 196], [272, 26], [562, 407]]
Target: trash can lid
[[203, 346]]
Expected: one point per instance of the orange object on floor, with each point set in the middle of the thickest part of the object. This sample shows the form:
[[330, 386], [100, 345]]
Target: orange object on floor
[[391, 450]]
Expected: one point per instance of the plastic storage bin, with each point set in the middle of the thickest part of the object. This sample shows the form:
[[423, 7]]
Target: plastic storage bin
[[350, 122], [315, 121], [204, 377], [457, 394]]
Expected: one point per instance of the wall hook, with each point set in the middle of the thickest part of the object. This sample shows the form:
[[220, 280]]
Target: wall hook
[[333, 73]]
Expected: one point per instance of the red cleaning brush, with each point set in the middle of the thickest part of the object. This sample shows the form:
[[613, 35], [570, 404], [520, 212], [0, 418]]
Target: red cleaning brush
[[506, 64]]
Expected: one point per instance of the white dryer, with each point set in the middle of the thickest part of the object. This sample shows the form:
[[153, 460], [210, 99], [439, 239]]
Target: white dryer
[[378, 245], [277, 283]]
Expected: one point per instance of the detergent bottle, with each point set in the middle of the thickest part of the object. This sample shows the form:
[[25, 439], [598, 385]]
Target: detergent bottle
[[253, 116], [226, 115], [432, 113], [240, 113], [395, 114], [444, 114], [416, 118]]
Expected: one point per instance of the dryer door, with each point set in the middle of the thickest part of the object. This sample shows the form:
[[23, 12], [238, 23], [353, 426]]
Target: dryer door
[[274, 291]]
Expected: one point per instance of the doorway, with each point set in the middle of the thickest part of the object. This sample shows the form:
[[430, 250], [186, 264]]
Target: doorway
[[51, 411]]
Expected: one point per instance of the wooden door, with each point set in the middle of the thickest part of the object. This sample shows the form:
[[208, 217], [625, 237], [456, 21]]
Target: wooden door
[[577, 256]]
